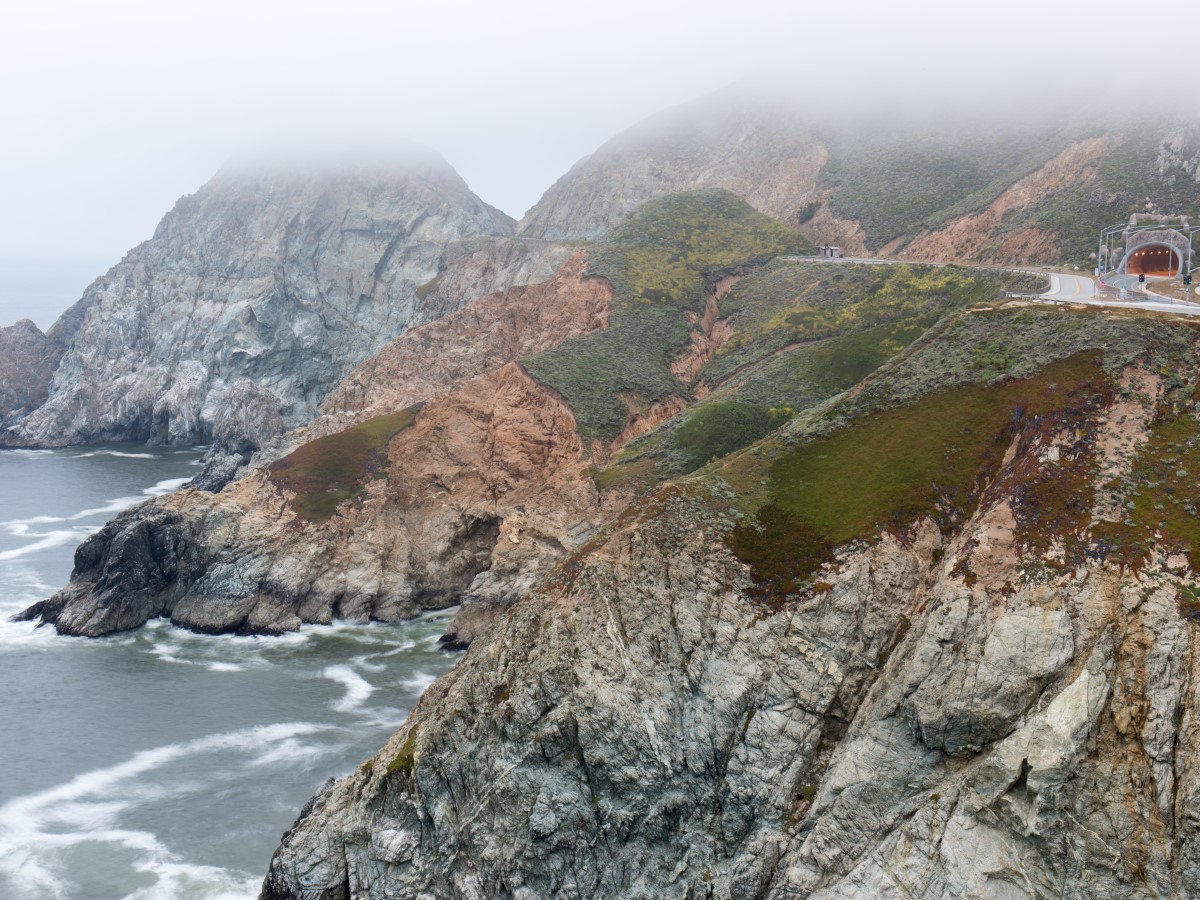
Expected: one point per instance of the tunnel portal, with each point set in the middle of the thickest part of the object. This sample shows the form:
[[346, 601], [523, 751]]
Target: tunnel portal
[[1153, 259]]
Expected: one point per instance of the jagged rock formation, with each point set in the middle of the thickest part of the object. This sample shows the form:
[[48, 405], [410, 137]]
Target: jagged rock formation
[[27, 362], [481, 481], [439, 472], [1179, 154], [479, 339], [282, 281], [995, 697], [483, 486]]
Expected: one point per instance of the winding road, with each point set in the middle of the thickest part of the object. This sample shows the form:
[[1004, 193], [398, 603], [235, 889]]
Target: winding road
[[1082, 289], [1064, 288]]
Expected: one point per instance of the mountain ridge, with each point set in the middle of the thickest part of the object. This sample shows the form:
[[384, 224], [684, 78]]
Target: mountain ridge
[[282, 281]]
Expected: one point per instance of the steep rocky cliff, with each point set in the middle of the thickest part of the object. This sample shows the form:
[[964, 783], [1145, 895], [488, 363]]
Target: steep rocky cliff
[[781, 578], [394, 503], [935, 639], [440, 471], [284, 281], [27, 362]]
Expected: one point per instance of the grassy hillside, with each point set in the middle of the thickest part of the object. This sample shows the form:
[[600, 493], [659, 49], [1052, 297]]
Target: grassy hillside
[[896, 182], [803, 332], [1124, 181], [660, 264], [927, 437], [326, 471]]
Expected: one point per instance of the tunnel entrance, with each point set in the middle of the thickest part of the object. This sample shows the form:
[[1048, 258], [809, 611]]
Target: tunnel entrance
[[1153, 259]]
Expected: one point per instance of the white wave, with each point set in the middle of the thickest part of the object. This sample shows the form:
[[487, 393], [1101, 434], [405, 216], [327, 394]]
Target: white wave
[[418, 682], [402, 646], [117, 453], [115, 505], [432, 641], [31, 454], [45, 540], [28, 636], [290, 750], [33, 828], [358, 689], [19, 582], [166, 486], [178, 881], [225, 667]]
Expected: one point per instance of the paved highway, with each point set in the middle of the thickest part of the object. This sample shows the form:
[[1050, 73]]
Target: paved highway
[[1064, 288], [1082, 289], [1071, 288]]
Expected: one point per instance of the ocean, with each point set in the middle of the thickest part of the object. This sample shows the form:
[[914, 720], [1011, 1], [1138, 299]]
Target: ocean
[[162, 764]]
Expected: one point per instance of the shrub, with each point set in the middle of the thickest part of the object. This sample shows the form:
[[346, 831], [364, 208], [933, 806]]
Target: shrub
[[326, 471]]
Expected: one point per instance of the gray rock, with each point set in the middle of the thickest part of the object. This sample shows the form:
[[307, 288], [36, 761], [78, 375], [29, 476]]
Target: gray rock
[[27, 362], [258, 289], [639, 727]]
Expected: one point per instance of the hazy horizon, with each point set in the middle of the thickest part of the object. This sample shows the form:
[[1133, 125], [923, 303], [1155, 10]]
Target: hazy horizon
[[122, 109]]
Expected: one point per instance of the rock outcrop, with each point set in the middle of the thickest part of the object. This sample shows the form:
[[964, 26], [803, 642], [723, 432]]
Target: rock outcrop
[[469, 502], [284, 282], [486, 481], [991, 708], [27, 362], [476, 340], [644, 729]]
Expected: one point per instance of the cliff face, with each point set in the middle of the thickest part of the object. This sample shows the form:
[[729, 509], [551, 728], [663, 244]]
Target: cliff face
[[27, 362], [439, 472], [479, 339], [470, 489], [282, 281], [479, 482], [968, 671]]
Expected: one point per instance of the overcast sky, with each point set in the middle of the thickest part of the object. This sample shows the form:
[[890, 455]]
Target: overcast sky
[[113, 110]]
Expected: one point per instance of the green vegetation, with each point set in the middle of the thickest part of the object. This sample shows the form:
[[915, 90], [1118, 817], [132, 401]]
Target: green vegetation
[[803, 332], [1117, 184], [987, 346], [925, 437], [406, 760], [782, 553], [660, 264], [895, 183], [717, 429], [796, 303], [925, 459], [1189, 601], [323, 473], [1159, 495]]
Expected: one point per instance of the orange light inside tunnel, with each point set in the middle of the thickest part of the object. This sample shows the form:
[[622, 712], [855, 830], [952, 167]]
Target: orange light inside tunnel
[[1154, 259]]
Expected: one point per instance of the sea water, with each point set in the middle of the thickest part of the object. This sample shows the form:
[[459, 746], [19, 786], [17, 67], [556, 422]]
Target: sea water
[[160, 763]]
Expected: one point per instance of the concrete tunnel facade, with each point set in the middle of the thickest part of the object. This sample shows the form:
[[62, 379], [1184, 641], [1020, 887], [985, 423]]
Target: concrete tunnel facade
[[1153, 259]]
